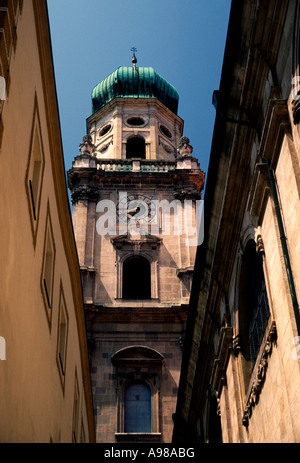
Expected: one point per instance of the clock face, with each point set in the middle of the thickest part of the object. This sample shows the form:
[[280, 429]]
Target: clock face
[[136, 208]]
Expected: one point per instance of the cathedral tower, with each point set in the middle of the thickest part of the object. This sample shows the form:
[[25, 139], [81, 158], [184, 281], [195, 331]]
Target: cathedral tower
[[136, 191]]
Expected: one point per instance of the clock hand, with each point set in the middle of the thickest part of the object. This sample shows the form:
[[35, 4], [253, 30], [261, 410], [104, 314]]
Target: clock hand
[[134, 211], [131, 210], [136, 208]]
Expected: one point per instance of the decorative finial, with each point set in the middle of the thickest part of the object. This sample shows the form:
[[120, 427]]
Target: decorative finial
[[87, 146], [134, 59], [184, 147]]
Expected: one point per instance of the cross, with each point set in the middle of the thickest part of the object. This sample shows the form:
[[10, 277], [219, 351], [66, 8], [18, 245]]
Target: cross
[[133, 50]]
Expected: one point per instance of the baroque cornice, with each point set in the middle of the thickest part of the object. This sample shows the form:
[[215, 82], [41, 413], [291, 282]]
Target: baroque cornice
[[187, 193], [145, 240], [84, 192], [276, 125]]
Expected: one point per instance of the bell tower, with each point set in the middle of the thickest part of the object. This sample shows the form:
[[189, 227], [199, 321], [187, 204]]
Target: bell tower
[[136, 191]]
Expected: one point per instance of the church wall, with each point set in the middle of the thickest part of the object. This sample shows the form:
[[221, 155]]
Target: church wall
[[108, 340], [256, 404], [96, 252], [134, 155], [136, 330], [278, 401]]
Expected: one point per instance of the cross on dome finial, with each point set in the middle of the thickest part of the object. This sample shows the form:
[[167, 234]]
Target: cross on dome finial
[[134, 59]]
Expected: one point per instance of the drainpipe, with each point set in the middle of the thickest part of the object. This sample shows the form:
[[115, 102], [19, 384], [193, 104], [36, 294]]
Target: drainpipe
[[283, 240]]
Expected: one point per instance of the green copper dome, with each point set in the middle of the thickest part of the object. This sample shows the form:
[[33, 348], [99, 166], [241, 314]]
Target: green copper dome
[[131, 82]]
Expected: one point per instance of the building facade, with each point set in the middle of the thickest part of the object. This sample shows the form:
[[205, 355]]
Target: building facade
[[240, 374], [135, 190], [45, 389]]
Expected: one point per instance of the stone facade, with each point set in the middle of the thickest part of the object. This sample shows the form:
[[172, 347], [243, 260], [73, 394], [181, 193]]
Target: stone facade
[[134, 339], [235, 388]]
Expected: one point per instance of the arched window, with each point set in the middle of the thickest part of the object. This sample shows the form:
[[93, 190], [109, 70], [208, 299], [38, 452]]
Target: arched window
[[136, 278], [138, 371], [136, 148], [253, 304], [137, 408]]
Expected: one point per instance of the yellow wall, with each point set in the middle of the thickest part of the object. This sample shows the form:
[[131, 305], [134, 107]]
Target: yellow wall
[[35, 406]]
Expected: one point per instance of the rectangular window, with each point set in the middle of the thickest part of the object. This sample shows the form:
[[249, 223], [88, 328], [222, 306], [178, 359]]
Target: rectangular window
[[47, 276], [62, 342], [62, 336], [137, 408], [48, 270], [258, 323], [34, 174]]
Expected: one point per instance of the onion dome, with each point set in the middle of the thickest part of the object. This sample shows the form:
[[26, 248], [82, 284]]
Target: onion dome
[[134, 82]]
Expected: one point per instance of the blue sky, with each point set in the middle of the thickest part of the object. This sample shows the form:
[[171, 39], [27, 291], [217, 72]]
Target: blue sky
[[183, 41]]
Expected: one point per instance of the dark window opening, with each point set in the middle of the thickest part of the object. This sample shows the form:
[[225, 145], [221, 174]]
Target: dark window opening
[[137, 408], [48, 270], [105, 130], [214, 425], [254, 304], [165, 131], [136, 148], [136, 278], [135, 121], [35, 172]]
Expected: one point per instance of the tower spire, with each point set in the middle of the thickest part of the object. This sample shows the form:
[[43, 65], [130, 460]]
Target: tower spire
[[134, 59]]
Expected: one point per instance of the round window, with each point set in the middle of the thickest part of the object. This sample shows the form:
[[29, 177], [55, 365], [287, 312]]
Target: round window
[[135, 121], [165, 131], [105, 130]]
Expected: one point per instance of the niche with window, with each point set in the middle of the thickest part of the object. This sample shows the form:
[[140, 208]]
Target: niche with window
[[136, 278], [137, 267], [136, 148], [138, 372], [254, 310]]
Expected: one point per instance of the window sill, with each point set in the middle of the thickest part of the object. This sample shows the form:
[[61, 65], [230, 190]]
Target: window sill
[[136, 302], [138, 437], [123, 299]]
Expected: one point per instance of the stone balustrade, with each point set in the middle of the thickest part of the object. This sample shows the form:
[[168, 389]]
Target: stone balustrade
[[133, 165]]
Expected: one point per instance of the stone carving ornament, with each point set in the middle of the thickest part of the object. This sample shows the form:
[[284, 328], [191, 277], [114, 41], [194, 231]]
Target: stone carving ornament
[[260, 376], [184, 147]]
